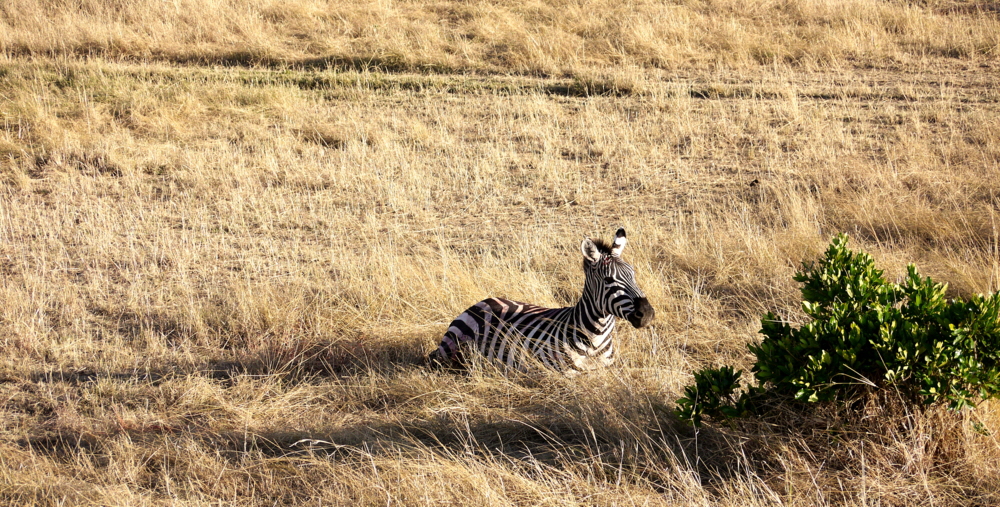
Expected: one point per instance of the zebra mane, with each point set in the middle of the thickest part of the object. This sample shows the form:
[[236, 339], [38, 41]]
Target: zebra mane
[[602, 246]]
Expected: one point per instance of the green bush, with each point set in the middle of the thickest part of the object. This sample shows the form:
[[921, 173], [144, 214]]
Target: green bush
[[864, 332], [713, 395]]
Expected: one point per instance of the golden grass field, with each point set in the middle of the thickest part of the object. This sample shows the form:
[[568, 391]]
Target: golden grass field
[[228, 226]]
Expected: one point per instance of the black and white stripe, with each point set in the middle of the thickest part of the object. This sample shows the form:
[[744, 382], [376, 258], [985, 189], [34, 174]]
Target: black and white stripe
[[577, 337]]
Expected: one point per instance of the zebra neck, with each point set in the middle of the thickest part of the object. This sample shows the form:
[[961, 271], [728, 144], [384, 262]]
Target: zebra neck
[[590, 320]]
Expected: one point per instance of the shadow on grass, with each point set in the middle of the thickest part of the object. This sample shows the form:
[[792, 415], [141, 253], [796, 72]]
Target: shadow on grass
[[654, 458], [302, 360], [644, 440], [556, 443], [381, 72], [84, 376], [291, 361]]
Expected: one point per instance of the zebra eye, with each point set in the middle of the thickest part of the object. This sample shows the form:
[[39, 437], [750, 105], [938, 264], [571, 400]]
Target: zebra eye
[[608, 279]]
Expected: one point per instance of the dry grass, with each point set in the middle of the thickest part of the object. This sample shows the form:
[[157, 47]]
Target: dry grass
[[555, 37], [202, 265]]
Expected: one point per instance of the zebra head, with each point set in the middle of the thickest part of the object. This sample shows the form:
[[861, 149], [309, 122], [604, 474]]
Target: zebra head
[[611, 282]]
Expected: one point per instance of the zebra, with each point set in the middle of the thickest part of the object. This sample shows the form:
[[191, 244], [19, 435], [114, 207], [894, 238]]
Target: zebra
[[571, 339]]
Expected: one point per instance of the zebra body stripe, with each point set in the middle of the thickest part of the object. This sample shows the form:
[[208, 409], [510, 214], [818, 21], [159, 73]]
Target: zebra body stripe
[[502, 330]]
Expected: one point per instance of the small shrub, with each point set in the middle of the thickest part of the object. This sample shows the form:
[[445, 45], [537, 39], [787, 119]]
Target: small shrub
[[714, 395], [864, 332]]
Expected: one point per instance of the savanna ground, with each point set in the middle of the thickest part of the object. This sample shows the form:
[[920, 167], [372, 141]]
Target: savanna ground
[[229, 226]]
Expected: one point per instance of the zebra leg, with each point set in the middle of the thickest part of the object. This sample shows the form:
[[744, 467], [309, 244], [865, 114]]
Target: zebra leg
[[447, 354]]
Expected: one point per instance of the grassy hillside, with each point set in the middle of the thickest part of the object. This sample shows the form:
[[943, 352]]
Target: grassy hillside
[[227, 227]]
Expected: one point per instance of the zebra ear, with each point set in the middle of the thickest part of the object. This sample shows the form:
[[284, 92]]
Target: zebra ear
[[619, 244], [590, 250]]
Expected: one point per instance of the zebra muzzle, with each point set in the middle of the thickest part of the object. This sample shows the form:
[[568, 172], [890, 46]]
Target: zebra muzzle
[[643, 313]]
